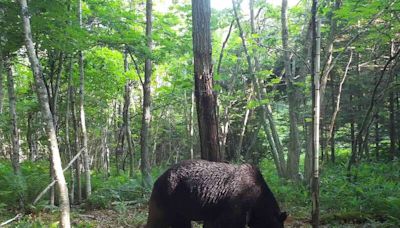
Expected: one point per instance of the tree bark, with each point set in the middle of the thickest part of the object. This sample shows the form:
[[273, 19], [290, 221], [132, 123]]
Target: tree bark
[[76, 146], [126, 117], [67, 132], [1, 86], [203, 76], [377, 136], [146, 116], [30, 138], [244, 126], [2, 147], [316, 113], [264, 112], [126, 114], [367, 120], [47, 116], [294, 142], [85, 153], [392, 114], [13, 117], [331, 136], [392, 126], [55, 87]]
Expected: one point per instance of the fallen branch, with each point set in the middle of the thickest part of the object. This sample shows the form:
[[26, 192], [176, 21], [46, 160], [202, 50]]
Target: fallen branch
[[87, 216], [18, 216], [54, 181]]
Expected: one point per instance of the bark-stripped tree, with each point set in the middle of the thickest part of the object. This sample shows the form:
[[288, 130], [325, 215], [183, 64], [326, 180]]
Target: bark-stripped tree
[[206, 101], [47, 117]]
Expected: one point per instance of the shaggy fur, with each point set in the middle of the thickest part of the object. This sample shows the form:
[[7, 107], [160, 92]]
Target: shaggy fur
[[220, 194]]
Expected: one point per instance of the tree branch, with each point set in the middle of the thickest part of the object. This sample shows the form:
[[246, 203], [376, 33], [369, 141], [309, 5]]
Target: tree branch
[[54, 181]]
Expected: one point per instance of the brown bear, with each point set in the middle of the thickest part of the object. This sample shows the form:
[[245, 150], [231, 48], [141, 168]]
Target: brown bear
[[219, 194]]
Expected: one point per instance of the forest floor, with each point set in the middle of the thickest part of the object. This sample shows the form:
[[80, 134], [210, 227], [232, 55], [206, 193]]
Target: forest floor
[[135, 216]]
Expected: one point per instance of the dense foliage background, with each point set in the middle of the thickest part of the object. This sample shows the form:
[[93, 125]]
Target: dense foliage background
[[360, 137]]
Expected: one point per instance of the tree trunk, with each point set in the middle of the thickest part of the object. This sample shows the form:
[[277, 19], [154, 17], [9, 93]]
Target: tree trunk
[[392, 114], [1, 87], [146, 116], [244, 126], [55, 91], [377, 136], [375, 99], [126, 117], [85, 153], [76, 146], [31, 139], [15, 157], [2, 143], [13, 117], [126, 114], [46, 114], [316, 113], [203, 77], [191, 127], [332, 129], [189, 124], [392, 126], [294, 142], [265, 113], [329, 58], [67, 132]]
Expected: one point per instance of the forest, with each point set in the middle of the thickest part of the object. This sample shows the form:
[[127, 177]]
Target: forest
[[99, 97]]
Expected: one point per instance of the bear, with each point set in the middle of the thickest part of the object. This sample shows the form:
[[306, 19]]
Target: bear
[[221, 195]]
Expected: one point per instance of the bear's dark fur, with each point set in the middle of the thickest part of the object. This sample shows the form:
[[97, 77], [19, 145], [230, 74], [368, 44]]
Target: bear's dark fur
[[220, 194]]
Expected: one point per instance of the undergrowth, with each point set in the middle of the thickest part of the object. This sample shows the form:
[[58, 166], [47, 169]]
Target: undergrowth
[[372, 195]]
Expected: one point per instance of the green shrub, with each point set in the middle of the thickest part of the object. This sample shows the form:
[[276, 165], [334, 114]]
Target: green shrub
[[117, 188], [34, 177], [374, 193]]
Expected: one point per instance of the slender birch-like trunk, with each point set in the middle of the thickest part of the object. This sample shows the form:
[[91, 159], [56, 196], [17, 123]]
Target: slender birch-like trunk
[[47, 117], [85, 153], [316, 113], [13, 117], [265, 114]]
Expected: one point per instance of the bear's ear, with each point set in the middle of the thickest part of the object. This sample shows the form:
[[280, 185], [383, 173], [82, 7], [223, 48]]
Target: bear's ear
[[283, 216]]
